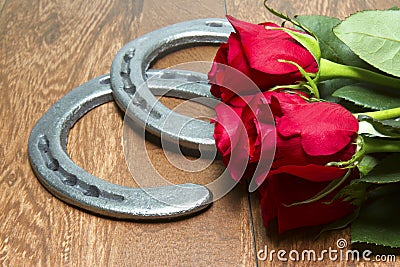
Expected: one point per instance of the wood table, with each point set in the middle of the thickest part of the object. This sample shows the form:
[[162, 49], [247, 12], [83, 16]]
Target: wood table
[[50, 47]]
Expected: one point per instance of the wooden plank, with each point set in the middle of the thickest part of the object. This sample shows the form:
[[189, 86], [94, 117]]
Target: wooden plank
[[2, 4], [47, 49]]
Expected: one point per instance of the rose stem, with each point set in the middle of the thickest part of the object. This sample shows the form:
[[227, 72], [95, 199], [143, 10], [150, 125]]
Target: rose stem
[[331, 70], [385, 114], [375, 145]]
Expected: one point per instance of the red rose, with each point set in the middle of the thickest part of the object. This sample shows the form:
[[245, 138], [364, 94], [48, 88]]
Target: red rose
[[308, 136], [255, 50]]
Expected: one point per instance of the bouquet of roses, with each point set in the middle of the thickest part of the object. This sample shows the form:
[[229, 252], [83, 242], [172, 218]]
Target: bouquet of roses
[[319, 126]]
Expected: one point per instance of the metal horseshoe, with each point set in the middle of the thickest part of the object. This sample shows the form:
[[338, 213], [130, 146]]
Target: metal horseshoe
[[128, 75], [70, 183]]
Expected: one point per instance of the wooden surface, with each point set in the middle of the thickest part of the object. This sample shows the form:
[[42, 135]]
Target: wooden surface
[[50, 47]]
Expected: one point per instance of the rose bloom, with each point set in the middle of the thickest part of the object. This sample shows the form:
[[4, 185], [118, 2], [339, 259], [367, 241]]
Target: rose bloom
[[254, 50], [308, 136]]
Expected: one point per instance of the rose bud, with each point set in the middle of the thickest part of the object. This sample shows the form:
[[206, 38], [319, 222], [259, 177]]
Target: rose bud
[[258, 51]]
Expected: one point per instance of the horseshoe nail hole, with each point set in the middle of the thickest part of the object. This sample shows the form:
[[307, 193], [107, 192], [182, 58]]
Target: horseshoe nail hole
[[52, 164], [124, 74], [187, 77], [214, 24], [195, 79], [129, 88], [155, 114], [105, 80], [128, 84], [92, 191], [43, 144], [202, 53], [127, 58], [113, 196], [168, 75], [129, 55], [140, 103], [69, 179]]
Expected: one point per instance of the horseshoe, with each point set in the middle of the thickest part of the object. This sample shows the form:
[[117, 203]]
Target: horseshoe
[[128, 76], [70, 183]]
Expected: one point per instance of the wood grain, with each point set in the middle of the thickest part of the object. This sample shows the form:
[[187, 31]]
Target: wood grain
[[49, 47]]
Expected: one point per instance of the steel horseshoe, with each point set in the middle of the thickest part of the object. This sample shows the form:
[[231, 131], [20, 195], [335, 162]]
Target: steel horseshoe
[[70, 183], [128, 76]]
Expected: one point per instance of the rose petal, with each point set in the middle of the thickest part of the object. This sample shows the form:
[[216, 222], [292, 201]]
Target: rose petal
[[310, 172], [286, 189], [325, 128], [231, 139]]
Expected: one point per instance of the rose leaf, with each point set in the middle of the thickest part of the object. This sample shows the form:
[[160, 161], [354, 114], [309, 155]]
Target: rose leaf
[[369, 96], [374, 38], [326, 88], [388, 128], [332, 48], [378, 220], [386, 171], [367, 164]]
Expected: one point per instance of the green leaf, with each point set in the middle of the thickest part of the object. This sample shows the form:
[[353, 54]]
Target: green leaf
[[355, 192], [367, 164], [393, 123], [374, 36], [369, 96], [332, 48], [379, 219], [306, 40], [326, 88], [387, 171], [389, 128], [352, 107]]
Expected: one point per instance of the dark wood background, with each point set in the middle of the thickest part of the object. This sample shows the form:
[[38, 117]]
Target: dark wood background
[[49, 47]]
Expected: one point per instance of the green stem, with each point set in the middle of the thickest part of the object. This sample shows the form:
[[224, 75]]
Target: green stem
[[380, 115], [331, 70], [375, 145]]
